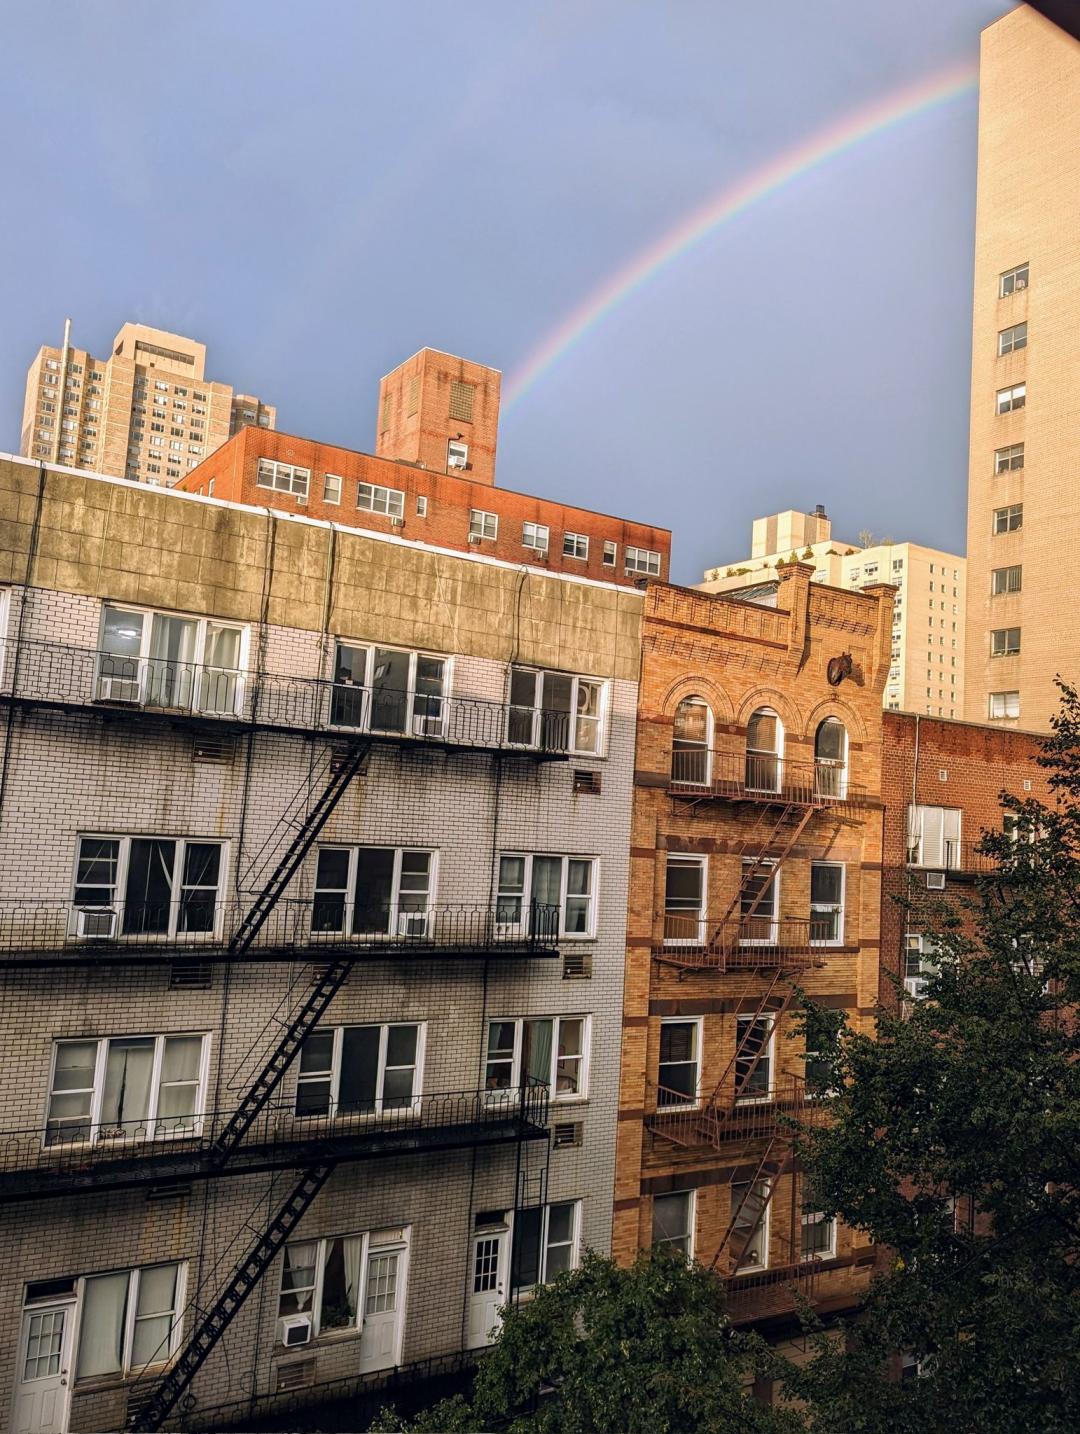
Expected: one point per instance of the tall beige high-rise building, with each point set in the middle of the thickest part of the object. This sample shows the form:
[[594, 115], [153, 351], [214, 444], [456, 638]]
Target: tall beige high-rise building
[[926, 670], [146, 412], [1024, 482]]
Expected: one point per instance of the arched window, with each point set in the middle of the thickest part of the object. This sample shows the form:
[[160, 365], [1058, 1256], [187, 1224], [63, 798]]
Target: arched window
[[764, 751], [830, 758], [691, 742]]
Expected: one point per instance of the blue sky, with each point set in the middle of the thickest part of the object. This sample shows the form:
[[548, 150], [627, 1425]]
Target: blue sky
[[317, 190]]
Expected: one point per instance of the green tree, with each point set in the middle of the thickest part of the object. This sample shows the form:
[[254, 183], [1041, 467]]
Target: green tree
[[645, 1350], [955, 1143]]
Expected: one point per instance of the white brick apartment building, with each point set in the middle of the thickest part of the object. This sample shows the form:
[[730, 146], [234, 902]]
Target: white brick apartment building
[[420, 1033]]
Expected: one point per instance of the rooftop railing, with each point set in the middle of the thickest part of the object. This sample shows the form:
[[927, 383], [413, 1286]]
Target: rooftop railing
[[58, 675], [70, 1155], [198, 929], [761, 777], [795, 943]]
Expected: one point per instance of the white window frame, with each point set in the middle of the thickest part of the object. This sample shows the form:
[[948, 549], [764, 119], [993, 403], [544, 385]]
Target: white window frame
[[483, 524], [139, 689], [760, 754], [1007, 398], [767, 1058], [573, 716], [1002, 580], [642, 561], [1012, 339], [427, 724], [525, 1292], [697, 1023], [536, 536], [689, 1238], [816, 1217], [149, 1127], [375, 498], [1003, 648], [1003, 519], [923, 948], [763, 1226], [130, 1315], [519, 1022], [698, 917], [1003, 459], [333, 484], [1004, 705], [945, 843], [840, 908], [1007, 282], [395, 913], [284, 478], [457, 456], [372, 1244], [334, 1098], [506, 896], [119, 900], [610, 556], [773, 916], [575, 545]]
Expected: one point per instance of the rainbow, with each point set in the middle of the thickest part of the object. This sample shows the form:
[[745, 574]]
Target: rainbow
[[904, 104]]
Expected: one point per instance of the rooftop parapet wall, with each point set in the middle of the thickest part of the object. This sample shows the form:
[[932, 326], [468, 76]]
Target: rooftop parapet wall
[[126, 542]]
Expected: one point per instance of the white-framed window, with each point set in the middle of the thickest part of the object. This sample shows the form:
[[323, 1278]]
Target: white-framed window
[[331, 490], [1012, 280], [421, 506], [389, 689], [920, 962], [1011, 339], [818, 1235], [548, 892], [611, 553], [373, 498], [764, 751], [691, 743], [575, 545], [149, 886], [129, 1319], [283, 477], [1005, 642], [483, 525], [755, 1042], [344, 1281], [1008, 460], [373, 892], [1009, 399], [934, 837], [457, 455], [673, 1222], [679, 1069], [552, 1049], [161, 659], [1004, 704], [827, 882], [545, 1244], [556, 712], [1006, 580], [643, 560], [536, 536], [759, 902], [831, 758], [361, 1070], [749, 1237], [126, 1088], [1010, 519], [685, 900]]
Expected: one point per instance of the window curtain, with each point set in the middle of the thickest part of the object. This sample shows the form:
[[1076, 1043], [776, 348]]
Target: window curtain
[[537, 1053], [354, 1262], [221, 660], [101, 1337], [127, 1084], [172, 659]]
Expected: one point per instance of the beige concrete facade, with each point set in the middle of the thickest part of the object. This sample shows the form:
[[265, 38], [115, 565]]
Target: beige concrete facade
[[147, 411], [926, 672], [1023, 500]]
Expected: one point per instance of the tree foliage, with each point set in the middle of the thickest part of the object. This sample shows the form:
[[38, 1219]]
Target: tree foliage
[[954, 1143], [645, 1350]]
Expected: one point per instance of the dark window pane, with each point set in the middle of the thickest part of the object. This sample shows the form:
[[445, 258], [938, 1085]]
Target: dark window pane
[[525, 1258], [374, 887], [149, 886], [359, 1068]]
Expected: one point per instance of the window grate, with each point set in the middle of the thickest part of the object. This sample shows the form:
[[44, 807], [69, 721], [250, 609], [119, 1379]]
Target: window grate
[[461, 400], [297, 1374], [577, 966], [587, 783], [217, 750], [197, 977], [179, 1190], [569, 1132]]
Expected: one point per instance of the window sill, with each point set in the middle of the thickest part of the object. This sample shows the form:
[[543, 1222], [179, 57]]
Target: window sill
[[101, 1383]]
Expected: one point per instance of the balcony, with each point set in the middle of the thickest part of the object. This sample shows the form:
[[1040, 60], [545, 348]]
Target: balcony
[[40, 674], [701, 774], [777, 1290], [963, 860], [38, 1162], [732, 1116], [754, 943], [194, 930]]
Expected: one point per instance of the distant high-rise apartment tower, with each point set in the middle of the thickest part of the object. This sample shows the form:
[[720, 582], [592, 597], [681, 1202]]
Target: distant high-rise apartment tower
[[146, 412], [1023, 495]]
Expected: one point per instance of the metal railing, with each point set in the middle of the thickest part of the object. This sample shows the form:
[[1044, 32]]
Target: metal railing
[[67, 1156], [60, 675], [761, 777], [759, 1293], [793, 942], [963, 858], [739, 1113], [323, 927]]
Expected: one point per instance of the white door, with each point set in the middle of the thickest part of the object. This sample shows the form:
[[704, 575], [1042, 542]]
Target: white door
[[41, 1395], [488, 1285], [381, 1330]]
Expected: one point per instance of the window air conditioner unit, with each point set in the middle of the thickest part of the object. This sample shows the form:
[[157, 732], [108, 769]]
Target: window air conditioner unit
[[475, 538], [295, 1329], [935, 881], [96, 923], [397, 522], [427, 724], [1020, 284], [412, 923], [117, 689]]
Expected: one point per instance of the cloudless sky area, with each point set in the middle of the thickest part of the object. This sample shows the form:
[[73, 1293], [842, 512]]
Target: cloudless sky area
[[315, 190]]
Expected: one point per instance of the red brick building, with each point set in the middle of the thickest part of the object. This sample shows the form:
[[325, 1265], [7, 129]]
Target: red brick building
[[432, 481]]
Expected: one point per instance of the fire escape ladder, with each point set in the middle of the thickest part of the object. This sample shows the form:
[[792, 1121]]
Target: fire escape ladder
[[150, 1413], [306, 832], [771, 853], [753, 1203], [763, 1008], [321, 994]]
